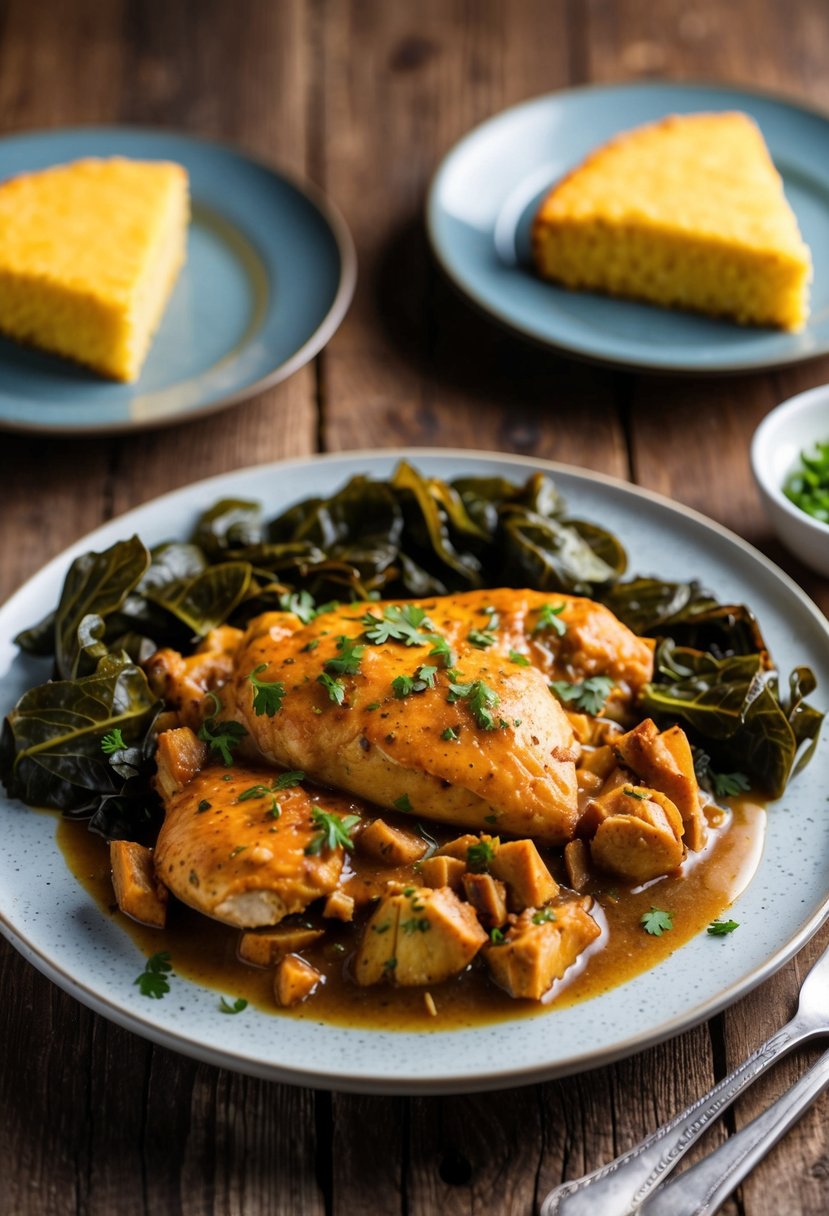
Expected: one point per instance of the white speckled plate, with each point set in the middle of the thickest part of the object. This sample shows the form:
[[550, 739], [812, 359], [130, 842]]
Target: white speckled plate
[[56, 925]]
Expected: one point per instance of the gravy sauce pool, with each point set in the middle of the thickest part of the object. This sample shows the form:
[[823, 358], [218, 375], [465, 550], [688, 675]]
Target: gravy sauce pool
[[204, 951]]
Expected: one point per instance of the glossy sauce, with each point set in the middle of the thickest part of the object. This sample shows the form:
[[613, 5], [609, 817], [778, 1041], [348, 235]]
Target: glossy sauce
[[204, 951]]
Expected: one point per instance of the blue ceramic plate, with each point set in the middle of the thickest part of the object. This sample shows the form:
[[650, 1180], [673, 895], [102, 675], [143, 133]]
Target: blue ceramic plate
[[488, 188], [269, 275], [49, 917]]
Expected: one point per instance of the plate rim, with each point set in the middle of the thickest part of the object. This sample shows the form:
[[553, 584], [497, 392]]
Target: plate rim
[[343, 1080], [331, 215], [593, 355]]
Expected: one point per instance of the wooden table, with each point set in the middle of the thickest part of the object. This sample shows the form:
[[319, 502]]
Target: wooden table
[[364, 98]]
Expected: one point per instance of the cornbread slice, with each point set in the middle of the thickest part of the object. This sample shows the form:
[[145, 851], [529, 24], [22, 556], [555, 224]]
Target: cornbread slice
[[688, 212], [89, 253]]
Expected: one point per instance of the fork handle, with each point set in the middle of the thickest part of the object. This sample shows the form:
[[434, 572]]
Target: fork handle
[[702, 1189], [621, 1187]]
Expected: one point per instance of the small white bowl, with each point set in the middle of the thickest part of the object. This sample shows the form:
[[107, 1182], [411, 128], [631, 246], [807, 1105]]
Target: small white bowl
[[795, 426]]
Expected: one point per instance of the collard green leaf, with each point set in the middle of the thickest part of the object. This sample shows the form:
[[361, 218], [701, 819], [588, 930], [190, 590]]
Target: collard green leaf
[[50, 752], [97, 584], [39, 639], [173, 562], [231, 523], [206, 601], [427, 525], [549, 556]]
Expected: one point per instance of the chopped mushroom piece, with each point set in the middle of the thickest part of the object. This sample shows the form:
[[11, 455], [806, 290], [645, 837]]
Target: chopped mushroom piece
[[442, 871], [421, 936], [664, 761], [394, 846], [529, 883], [577, 864], [138, 893], [640, 837], [294, 980], [265, 949], [537, 951], [488, 897]]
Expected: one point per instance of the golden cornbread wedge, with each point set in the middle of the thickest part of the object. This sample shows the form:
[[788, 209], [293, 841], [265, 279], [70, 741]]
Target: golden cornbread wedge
[[89, 253], [688, 212]]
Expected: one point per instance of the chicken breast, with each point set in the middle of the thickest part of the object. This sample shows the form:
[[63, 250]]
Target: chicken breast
[[415, 717], [235, 848]]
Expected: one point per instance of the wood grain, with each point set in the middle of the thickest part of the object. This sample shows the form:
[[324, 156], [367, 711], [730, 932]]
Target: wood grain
[[365, 97]]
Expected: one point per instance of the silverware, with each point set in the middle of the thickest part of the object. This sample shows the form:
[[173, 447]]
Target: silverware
[[702, 1189], [621, 1187]]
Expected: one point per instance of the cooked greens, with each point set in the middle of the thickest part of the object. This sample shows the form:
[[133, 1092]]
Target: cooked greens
[[409, 536]]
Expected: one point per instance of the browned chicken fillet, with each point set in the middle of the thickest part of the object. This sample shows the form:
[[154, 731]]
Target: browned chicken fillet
[[222, 851]]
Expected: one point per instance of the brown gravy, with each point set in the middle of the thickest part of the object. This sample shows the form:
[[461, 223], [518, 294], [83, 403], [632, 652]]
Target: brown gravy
[[204, 951]]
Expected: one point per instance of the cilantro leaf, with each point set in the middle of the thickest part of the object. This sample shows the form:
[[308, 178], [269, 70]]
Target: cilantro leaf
[[334, 688], [441, 650], [721, 928], [262, 791], [520, 660], [726, 785], [221, 737], [334, 831], [404, 804], [548, 618], [479, 697], [656, 922], [478, 856], [398, 624], [152, 981], [300, 603], [481, 639], [589, 695], [347, 662], [113, 742], [268, 694], [449, 734], [235, 1007], [285, 780], [404, 686]]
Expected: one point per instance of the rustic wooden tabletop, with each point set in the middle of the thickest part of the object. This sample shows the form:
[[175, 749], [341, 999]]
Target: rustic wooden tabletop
[[363, 98]]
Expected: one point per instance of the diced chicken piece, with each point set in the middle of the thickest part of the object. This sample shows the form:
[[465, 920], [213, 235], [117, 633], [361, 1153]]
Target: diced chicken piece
[[394, 846], [640, 837], [339, 906], [442, 871], [183, 681], [488, 897], [598, 760], [528, 881], [589, 785], [421, 936], [459, 847], [235, 849], [138, 892], [267, 947], [294, 980], [536, 950], [664, 761], [179, 757], [577, 864]]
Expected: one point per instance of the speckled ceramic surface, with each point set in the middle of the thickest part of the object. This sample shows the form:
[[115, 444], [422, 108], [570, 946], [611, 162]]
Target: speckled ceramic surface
[[269, 275], [52, 921], [488, 188]]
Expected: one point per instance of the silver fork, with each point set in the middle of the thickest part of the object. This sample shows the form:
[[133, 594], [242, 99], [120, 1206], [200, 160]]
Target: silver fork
[[621, 1186]]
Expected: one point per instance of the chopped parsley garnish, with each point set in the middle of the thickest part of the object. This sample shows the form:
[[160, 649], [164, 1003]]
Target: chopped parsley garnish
[[240, 848], [221, 737], [418, 924], [449, 734], [656, 922], [404, 804], [334, 688], [629, 792], [496, 936], [520, 660], [441, 650], [478, 856], [808, 486], [233, 1007], [204, 805], [152, 981], [404, 686], [300, 603], [548, 618], [589, 695], [398, 625], [726, 785], [263, 791], [543, 916], [334, 831], [347, 663], [721, 928], [267, 694], [479, 697], [481, 639], [286, 780], [113, 742]]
